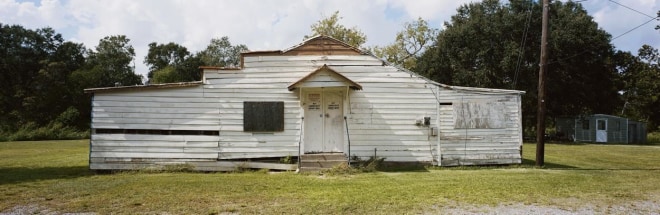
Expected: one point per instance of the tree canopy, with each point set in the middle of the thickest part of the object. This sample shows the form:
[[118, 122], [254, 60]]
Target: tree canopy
[[34, 70], [495, 45], [220, 52], [172, 62], [330, 26], [43, 76], [160, 56], [641, 88], [111, 63], [409, 44]]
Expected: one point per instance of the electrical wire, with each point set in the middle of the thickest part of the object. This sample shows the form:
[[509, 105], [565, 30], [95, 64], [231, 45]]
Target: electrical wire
[[635, 28], [620, 35], [629, 8], [614, 38], [521, 52]]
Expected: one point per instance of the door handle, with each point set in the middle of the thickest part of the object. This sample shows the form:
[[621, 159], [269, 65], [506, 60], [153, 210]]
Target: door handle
[[327, 115]]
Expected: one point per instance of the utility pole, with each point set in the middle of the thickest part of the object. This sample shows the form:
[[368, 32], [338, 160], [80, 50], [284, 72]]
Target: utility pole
[[540, 117]]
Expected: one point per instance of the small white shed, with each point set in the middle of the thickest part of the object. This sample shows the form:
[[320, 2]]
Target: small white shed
[[319, 97]]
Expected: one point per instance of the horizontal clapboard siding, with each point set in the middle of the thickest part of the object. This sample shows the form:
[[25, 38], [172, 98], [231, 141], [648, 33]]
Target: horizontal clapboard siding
[[381, 118], [123, 151], [383, 115], [232, 88], [159, 109], [391, 101]]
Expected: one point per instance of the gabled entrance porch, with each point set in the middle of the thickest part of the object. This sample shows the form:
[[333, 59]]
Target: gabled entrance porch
[[323, 99]]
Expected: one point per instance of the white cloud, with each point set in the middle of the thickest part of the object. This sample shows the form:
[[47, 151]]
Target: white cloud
[[270, 24], [618, 20]]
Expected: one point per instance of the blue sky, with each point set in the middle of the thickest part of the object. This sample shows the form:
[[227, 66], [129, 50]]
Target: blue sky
[[276, 24]]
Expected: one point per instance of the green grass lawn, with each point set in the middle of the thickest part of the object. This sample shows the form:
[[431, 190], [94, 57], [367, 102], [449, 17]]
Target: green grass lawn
[[54, 175]]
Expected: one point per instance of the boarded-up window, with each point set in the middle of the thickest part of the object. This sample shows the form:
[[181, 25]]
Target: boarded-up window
[[263, 116], [480, 115]]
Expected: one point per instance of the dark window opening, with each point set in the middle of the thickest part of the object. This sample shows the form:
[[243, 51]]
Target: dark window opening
[[156, 132], [446, 103], [585, 124], [602, 125], [263, 116]]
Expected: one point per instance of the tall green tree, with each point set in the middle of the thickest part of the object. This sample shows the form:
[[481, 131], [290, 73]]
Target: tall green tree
[[172, 62], [330, 26], [641, 90], [496, 45], [409, 44], [110, 64], [35, 68], [187, 70], [55, 95], [160, 56], [220, 52]]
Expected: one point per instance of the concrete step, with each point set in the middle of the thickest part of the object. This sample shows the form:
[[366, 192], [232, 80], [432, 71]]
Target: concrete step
[[312, 169], [320, 162], [324, 157]]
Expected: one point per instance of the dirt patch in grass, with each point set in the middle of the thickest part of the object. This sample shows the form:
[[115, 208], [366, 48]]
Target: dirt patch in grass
[[651, 206], [36, 209], [567, 206]]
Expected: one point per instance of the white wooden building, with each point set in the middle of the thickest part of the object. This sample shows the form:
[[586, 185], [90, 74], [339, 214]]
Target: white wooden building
[[321, 96]]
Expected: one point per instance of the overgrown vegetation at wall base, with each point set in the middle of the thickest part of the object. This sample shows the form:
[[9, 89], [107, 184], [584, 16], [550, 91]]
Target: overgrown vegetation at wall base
[[52, 131], [653, 138]]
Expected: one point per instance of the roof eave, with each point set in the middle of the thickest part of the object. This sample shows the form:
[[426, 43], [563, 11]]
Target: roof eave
[[143, 87]]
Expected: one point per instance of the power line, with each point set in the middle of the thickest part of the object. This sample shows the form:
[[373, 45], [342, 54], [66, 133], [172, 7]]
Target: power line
[[629, 8], [522, 45], [614, 38], [635, 28]]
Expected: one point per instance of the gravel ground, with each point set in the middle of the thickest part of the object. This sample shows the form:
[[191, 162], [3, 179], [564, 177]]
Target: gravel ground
[[638, 207], [36, 209]]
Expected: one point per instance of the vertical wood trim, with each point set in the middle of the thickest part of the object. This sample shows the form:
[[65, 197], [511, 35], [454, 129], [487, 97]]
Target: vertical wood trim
[[92, 131], [520, 127], [437, 124]]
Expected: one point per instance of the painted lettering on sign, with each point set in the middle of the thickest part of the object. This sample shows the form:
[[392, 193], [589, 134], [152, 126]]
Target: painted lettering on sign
[[314, 97]]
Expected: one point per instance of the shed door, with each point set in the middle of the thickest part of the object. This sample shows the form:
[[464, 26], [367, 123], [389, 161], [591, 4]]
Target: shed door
[[632, 133], [324, 120], [601, 130]]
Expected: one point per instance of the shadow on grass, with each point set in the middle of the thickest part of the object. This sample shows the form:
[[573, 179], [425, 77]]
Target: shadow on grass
[[551, 166], [13, 175], [528, 162], [568, 143], [402, 167]]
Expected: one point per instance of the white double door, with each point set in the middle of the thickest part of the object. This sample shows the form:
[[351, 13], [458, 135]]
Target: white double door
[[324, 120]]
